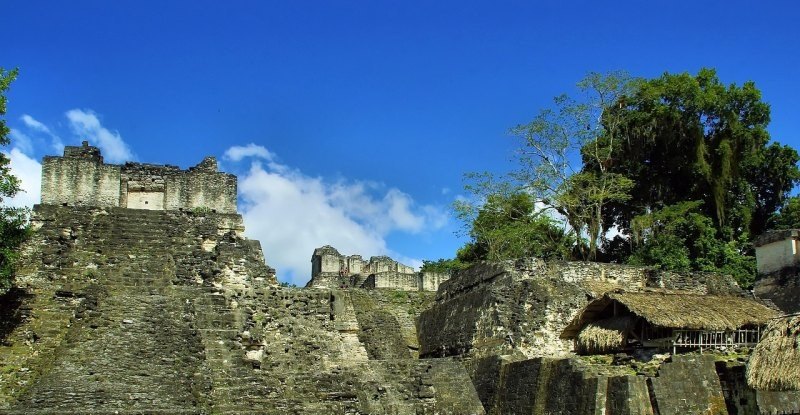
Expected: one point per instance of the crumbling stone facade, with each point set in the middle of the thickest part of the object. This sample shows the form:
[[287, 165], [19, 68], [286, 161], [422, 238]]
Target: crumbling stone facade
[[81, 178], [171, 311], [330, 269], [504, 321]]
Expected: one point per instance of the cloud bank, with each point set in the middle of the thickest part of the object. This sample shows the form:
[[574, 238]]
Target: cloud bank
[[29, 172], [292, 213]]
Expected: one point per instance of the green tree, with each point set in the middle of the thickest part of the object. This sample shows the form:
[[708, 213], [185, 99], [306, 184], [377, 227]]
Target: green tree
[[554, 138], [789, 215], [13, 221], [509, 226], [681, 237], [443, 265], [683, 137]]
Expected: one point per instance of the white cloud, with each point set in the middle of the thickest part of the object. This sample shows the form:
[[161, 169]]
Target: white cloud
[[292, 213], [237, 153], [29, 172], [398, 205], [86, 125], [55, 141], [33, 124]]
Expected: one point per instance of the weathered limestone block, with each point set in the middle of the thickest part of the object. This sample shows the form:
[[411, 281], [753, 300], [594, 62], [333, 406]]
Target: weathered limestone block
[[628, 395], [330, 269], [500, 309], [688, 385], [80, 178], [782, 288], [741, 399], [549, 386]]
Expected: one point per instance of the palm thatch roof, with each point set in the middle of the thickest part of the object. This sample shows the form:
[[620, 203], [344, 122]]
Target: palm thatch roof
[[775, 361], [605, 335], [673, 309]]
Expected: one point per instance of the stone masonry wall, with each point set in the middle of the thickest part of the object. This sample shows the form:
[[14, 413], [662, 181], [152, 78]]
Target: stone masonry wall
[[140, 311], [81, 182], [781, 287], [80, 178], [686, 384], [504, 321], [112, 322], [330, 269]]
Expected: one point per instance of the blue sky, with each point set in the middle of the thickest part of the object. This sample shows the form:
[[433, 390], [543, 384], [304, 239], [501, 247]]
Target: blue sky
[[362, 115]]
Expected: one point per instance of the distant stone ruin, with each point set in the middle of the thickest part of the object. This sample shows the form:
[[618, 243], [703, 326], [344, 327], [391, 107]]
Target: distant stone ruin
[[330, 269], [81, 178]]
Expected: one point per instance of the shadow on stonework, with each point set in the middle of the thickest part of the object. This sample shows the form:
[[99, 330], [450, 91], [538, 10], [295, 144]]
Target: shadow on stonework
[[11, 312]]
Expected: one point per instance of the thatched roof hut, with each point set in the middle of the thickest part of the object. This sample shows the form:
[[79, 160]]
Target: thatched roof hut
[[775, 362], [679, 310], [605, 335]]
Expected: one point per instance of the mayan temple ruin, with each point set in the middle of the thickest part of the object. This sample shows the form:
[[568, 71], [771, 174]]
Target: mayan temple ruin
[[331, 269], [139, 294]]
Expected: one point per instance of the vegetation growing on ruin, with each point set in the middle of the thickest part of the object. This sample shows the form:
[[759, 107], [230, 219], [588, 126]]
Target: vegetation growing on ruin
[[13, 221], [680, 169]]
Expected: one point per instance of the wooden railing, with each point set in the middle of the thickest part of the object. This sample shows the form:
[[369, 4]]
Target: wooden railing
[[715, 339]]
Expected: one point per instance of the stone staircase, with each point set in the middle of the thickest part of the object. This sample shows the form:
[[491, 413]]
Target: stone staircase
[[113, 322], [133, 313]]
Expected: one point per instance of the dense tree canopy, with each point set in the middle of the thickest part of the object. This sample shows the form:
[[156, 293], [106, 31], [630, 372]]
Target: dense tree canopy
[[548, 146], [684, 138], [509, 226], [789, 215], [680, 166]]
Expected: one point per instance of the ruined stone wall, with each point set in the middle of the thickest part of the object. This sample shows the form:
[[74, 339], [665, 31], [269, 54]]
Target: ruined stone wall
[[139, 311], [504, 320], [79, 182], [330, 269], [430, 281], [393, 280], [782, 288], [686, 384], [80, 178]]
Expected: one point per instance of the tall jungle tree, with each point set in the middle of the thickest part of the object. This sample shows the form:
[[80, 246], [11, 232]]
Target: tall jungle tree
[[684, 138], [13, 221]]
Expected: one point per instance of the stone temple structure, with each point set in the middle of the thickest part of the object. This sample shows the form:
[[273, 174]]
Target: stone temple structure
[[138, 294], [330, 269], [80, 178]]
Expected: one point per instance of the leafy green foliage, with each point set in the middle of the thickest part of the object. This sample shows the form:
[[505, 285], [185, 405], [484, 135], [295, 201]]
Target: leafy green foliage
[[443, 265], [681, 165], [9, 185], [684, 137], [549, 144], [789, 215], [13, 221], [681, 238], [509, 226], [14, 230]]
